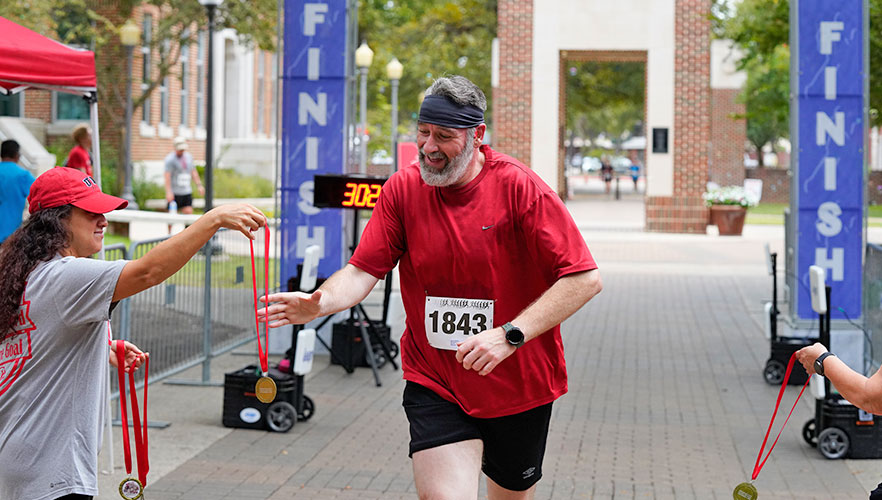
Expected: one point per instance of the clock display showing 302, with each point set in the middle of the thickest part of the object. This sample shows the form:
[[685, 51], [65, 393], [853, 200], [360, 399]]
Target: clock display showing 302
[[346, 191]]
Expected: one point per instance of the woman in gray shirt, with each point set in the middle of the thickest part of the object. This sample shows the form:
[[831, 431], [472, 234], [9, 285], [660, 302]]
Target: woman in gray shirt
[[55, 304]]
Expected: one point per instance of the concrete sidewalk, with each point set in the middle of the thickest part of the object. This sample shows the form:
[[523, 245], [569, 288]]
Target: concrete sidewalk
[[667, 398]]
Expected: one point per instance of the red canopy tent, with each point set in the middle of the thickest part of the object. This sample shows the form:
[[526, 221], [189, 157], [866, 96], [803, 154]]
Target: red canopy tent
[[30, 60]]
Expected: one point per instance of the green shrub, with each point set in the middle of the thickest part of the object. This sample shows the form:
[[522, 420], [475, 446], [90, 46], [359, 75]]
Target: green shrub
[[144, 190], [231, 184]]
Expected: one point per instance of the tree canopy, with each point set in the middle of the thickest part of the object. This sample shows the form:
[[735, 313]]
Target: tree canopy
[[431, 39], [605, 98], [761, 28]]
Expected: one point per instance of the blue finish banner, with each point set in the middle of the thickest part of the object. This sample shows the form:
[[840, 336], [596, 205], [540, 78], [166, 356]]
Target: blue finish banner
[[830, 174], [313, 127]]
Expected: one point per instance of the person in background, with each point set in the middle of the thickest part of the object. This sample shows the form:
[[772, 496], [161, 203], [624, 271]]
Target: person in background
[[606, 172], [55, 307], [180, 171], [635, 173], [491, 263], [80, 157], [15, 182]]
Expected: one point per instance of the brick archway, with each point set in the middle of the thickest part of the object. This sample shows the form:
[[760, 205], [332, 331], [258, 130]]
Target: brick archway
[[674, 205], [569, 56]]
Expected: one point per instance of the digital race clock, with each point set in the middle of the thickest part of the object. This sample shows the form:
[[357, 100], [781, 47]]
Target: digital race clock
[[346, 191]]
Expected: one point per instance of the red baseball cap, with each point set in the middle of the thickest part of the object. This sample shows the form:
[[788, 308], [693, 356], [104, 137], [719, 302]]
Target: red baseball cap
[[69, 186]]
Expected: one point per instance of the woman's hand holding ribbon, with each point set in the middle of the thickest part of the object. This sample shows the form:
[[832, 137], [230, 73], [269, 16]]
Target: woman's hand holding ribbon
[[134, 357]]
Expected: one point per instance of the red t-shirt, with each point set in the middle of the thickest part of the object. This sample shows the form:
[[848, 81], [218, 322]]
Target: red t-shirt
[[79, 159], [504, 236]]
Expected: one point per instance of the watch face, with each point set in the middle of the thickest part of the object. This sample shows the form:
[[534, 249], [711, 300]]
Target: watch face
[[514, 336], [819, 364]]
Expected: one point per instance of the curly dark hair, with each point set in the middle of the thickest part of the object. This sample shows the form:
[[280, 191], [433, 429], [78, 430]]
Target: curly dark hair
[[42, 236]]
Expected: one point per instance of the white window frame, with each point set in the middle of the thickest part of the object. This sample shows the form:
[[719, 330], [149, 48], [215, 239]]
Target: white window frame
[[147, 65], [185, 79], [273, 91], [261, 95], [61, 126], [201, 55], [21, 104]]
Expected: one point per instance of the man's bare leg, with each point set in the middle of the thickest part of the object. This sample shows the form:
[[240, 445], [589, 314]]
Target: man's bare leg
[[449, 472]]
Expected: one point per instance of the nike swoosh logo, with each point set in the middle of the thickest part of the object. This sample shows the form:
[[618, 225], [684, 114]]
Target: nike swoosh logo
[[487, 227]]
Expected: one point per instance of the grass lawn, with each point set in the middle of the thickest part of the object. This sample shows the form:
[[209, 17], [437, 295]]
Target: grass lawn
[[113, 239], [232, 272], [773, 213]]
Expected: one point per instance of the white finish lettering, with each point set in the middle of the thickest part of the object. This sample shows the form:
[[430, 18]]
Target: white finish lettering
[[829, 34], [305, 203], [319, 110], [825, 126], [828, 223], [314, 13], [829, 174], [835, 264], [312, 144], [313, 57], [830, 83], [305, 239]]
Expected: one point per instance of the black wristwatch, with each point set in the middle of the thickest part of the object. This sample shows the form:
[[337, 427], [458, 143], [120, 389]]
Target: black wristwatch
[[819, 363], [513, 335]]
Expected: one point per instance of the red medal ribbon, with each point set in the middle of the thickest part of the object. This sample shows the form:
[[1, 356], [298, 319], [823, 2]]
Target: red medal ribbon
[[758, 466], [262, 354], [139, 428]]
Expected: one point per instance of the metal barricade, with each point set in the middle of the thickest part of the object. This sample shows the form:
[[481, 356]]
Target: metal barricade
[[167, 320], [873, 300]]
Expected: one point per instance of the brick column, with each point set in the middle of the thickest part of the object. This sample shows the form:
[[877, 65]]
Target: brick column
[[727, 138], [685, 210], [512, 100]]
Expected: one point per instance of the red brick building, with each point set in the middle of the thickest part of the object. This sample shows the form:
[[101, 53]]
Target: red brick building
[[244, 94]]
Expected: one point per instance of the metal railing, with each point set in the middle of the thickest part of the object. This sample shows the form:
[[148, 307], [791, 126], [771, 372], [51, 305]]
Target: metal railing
[[167, 320]]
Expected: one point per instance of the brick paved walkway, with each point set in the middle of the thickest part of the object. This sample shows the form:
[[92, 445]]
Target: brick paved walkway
[[666, 401]]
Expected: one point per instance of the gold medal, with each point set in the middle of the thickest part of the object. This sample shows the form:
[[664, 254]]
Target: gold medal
[[131, 489], [745, 491], [265, 389]]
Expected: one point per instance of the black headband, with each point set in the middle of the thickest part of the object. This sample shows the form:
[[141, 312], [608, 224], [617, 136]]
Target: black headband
[[439, 110]]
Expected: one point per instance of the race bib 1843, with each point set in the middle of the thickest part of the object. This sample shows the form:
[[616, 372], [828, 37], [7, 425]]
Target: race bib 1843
[[450, 320]]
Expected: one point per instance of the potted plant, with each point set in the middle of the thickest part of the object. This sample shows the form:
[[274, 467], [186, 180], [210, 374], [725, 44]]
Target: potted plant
[[728, 207]]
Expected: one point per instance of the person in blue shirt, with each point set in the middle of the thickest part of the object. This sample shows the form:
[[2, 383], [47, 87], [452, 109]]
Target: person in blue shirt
[[635, 174], [15, 183]]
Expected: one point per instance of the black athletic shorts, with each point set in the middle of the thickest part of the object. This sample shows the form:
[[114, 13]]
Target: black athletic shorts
[[514, 445], [184, 200]]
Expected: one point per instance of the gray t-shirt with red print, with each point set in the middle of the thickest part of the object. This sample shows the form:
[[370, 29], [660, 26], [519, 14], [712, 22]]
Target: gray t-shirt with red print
[[53, 380]]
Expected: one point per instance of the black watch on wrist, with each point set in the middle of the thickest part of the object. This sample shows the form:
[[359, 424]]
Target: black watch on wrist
[[513, 335], [819, 363]]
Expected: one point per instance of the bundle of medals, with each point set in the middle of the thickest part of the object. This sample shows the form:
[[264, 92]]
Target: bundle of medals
[[131, 488]]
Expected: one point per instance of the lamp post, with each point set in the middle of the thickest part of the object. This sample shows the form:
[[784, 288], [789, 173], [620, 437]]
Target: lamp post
[[394, 70], [364, 56], [210, 6], [129, 35]]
